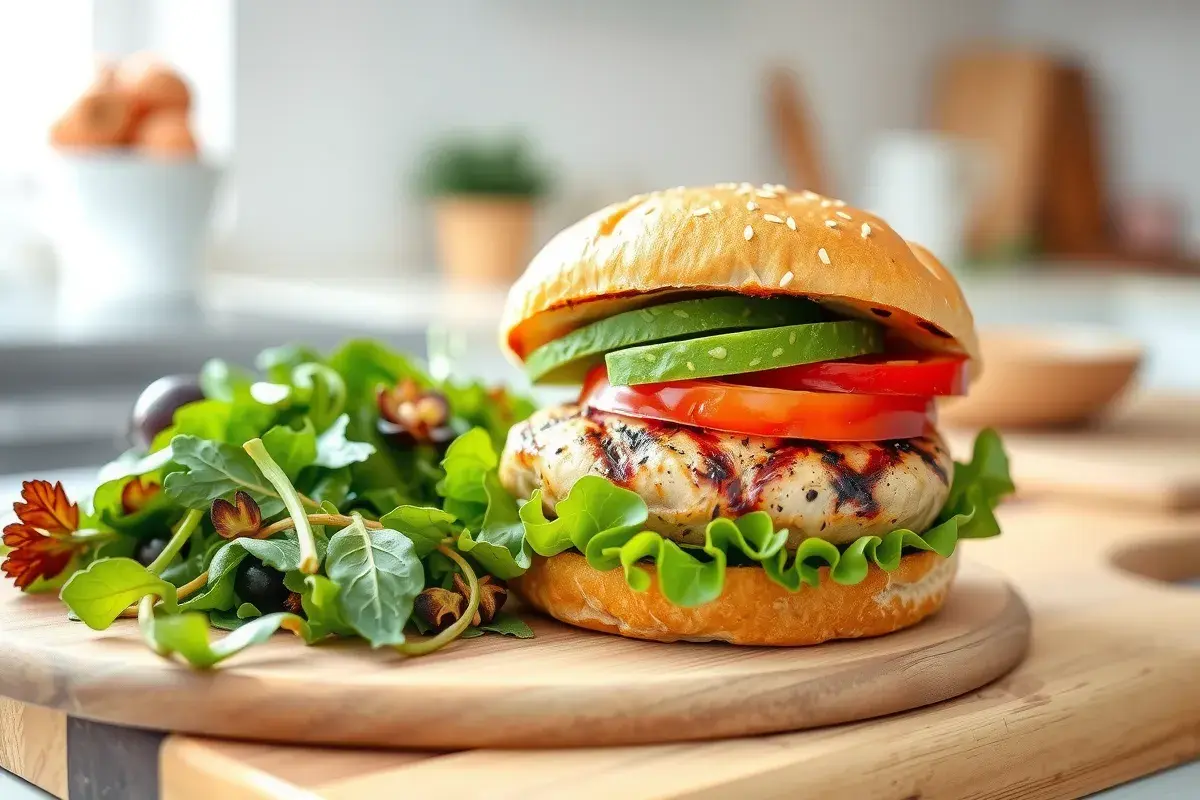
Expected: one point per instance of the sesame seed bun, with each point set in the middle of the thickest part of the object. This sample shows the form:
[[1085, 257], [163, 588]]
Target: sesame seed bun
[[736, 238], [752, 609]]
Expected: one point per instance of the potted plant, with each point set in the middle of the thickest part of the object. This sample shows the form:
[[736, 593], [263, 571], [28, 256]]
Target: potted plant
[[483, 193]]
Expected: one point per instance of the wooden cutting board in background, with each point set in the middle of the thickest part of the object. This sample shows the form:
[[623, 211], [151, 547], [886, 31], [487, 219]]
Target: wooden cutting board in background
[[1000, 100], [1147, 454], [793, 126]]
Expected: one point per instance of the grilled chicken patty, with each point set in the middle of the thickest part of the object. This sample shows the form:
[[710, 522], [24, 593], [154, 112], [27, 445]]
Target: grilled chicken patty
[[836, 491]]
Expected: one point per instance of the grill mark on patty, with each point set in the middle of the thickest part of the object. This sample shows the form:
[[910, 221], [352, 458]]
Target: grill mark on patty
[[897, 449]]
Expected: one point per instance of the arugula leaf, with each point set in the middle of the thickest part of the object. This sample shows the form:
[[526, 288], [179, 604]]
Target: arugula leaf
[[380, 575], [278, 362], [321, 390], [131, 464], [493, 409], [334, 450], [99, 593], [248, 611], [216, 469], [225, 620], [319, 598], [505, 624], [500, 546], [153, 519], [186, 635], [604, 522], [468, 459], [426, 527], [291, 449], [221, 381], [186, 569], [325, 486]]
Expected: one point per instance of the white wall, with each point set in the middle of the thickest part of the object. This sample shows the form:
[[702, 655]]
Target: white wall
[[335, 102], [1145, 58]]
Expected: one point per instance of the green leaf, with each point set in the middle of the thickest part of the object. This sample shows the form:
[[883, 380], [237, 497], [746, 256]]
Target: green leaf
[[505, 624], [425, 526], [278, 362], [325, 486], [225, 620], [605, 523], [99, 593], [334, 450], [216, 469], [380, 575], [248, 611], [321, 390], [154, 519], [221, 381], [500, 546], [130, 464], [496, 410], [319, 598], [291, 449], [186, 635], [365, 364], [468, 459]]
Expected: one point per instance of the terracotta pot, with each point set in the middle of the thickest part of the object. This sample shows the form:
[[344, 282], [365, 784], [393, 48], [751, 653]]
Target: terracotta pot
[[483, 241]]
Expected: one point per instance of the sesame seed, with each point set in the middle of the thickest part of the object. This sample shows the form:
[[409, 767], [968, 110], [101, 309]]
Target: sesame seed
[[679, 312], [826, 203], [777, 187], [791, 223], [651, 357], [792, 337], [748, 233], [691, 366], [843, 215], [678, 188], [810, 194], [754, 362], [773, 218], [751, 206], [718, 353], [700, 212], [831, 223], [866, 230], [823, 255], [777, 352], [786, 279], [839, 203], [717, 204], [727, 185], [766, 193]]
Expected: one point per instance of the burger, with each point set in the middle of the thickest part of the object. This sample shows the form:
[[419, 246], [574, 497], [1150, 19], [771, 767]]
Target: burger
[[753, 455]]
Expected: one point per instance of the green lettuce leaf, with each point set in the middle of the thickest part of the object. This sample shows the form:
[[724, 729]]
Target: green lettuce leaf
[[604, 522], [186, 635], [98, 594]]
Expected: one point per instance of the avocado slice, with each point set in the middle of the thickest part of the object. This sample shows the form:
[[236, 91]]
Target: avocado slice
[[567, 360], [743, 351]]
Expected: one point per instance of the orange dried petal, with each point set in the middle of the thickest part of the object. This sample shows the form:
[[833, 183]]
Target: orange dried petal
[[46, 506], [242, 517], [35, 554], [136, 494]]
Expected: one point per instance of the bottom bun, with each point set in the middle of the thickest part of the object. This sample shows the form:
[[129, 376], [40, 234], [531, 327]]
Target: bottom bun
[[752, 610]]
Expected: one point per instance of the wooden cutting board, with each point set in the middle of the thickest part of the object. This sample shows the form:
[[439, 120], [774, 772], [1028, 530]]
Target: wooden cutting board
[[1147, 454], [566, 687]]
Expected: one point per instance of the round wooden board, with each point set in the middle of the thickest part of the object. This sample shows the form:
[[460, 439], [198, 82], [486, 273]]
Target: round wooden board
[[564, 688]]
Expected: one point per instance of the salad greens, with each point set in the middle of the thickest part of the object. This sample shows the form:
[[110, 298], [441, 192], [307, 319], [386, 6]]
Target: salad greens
[[290, 477]]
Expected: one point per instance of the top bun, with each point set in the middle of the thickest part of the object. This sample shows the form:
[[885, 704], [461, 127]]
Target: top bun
[[736, 238]]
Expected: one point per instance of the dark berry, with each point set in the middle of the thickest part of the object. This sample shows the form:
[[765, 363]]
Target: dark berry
[[260, 585], [149, 549], [156, 406]]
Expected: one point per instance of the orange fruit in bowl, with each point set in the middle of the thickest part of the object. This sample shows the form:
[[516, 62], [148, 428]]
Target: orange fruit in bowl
[[165, 134]]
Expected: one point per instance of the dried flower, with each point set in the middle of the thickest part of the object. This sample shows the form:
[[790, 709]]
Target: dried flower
[[42, 543], [136, 494], [242, 517], [440, 607], [492, 594], [294, 604], [413, 415]]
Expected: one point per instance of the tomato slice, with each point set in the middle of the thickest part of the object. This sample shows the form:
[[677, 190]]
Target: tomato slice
[[764, 411], [921, 375]]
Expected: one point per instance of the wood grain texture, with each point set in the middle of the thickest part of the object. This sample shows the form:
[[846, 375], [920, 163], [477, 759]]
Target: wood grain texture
[[1146, 454], [33, 744], [1107, 693], [565, 688]]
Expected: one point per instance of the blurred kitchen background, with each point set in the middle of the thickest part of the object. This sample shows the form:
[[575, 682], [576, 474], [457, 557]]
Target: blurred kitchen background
[[370, 167]]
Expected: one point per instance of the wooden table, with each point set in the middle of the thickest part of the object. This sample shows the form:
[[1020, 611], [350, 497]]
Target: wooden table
[[1109, 692]]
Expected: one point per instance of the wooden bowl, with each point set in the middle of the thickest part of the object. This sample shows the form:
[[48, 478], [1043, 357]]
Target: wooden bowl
[[1045, 377]]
